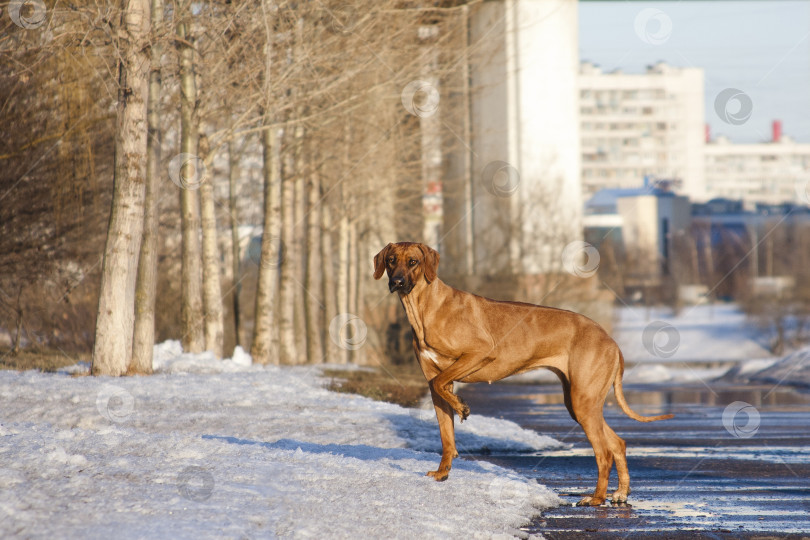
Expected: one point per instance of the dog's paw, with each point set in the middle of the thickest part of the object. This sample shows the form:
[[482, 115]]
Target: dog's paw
[[439, 476], [619, 497], [591, 501], [463, 410]]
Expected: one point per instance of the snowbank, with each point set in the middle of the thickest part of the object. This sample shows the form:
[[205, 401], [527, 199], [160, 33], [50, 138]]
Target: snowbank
[[793, 369], [212, 449]]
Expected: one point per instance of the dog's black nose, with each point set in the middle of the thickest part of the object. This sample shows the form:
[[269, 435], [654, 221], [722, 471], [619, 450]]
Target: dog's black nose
[[396, 283]]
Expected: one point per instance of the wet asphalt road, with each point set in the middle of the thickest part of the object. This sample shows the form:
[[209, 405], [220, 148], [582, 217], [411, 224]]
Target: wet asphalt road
[[733, 463]]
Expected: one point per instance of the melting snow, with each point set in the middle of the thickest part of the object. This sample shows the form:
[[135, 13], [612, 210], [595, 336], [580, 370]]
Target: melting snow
[[213, 449]]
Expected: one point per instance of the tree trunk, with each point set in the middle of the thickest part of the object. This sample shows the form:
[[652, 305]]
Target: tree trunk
[[264, 348], [343, 276], [233, 175], [329, 288], [212, 285], [112, 349], [314, 268], [351, 298], [191, 280], [265, 329], [300, 238], [18, 315], [287, 343], [144, 339]]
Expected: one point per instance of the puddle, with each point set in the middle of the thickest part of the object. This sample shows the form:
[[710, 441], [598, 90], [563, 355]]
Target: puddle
[[691, 473]]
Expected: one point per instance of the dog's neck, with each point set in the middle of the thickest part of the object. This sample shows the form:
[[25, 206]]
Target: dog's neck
[[417, 302]]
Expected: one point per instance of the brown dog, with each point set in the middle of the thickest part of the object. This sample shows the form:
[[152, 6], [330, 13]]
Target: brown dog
[[458, 336]]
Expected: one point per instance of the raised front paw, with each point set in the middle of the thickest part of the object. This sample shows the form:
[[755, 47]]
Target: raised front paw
[[463, 410]]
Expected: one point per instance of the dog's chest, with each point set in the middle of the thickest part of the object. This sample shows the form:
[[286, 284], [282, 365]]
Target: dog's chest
[[430, 356]]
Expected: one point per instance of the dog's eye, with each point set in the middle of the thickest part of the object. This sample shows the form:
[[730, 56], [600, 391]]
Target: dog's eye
[[392, 260], [412, 262]]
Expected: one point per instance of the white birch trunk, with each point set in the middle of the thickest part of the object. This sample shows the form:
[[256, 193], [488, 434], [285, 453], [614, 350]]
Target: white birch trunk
[[144, 337], [314, 269], [212, 284], [343, 276], [287, 342], [300, 238], [112, 349], [191, 311], [265, 328], [333, 355], [233, 176], [354, 355]]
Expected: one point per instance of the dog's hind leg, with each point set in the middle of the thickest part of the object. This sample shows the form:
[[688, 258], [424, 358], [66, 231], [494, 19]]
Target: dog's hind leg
[[618, 450], [594, 426]]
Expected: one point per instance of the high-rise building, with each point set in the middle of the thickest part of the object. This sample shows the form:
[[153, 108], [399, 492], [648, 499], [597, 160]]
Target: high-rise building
[[773, 173], [636, 125]]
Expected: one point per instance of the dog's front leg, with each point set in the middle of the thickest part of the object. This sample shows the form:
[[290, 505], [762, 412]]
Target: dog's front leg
[[442, 384], [444, 414]]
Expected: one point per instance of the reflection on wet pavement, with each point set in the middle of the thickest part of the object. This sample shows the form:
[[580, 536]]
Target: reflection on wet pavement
[[733, 463]]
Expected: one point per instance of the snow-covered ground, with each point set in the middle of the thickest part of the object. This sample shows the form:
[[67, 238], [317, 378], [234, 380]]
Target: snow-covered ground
[[210, 449]]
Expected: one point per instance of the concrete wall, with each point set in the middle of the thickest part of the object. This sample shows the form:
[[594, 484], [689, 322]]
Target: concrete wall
[[524, 114]]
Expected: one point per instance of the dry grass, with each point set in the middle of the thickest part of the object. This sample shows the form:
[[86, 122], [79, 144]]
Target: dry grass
[[403, 385], [48, 361]]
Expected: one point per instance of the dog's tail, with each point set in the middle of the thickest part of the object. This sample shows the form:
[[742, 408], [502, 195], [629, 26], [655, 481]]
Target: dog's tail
[[617, 389]]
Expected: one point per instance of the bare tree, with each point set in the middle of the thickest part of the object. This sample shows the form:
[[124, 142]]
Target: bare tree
[[236, 254], [212, 287], [191, 316], [314, 271], [115, 322], [144, 337]]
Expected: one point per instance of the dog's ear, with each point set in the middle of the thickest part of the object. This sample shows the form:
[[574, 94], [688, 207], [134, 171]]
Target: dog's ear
[[379, 261], [430, 258]]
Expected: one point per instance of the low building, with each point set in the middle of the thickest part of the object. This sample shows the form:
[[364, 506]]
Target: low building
[[639, 224], [774, 172]]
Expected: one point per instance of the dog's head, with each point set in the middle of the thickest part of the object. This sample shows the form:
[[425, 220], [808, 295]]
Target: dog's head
[[406, 263]]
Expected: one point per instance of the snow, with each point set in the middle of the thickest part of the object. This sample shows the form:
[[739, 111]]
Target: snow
[[226, 449], [718, 332], [793, 369]]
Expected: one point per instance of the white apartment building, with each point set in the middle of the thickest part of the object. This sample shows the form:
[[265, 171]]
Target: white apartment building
[[637, 125], [774, 172]]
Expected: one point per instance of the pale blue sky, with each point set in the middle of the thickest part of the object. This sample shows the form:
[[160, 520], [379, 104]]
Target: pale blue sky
[[760, 47]]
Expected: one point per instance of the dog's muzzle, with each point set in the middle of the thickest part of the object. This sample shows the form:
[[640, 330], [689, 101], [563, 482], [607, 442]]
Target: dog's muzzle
[[398, 284]]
